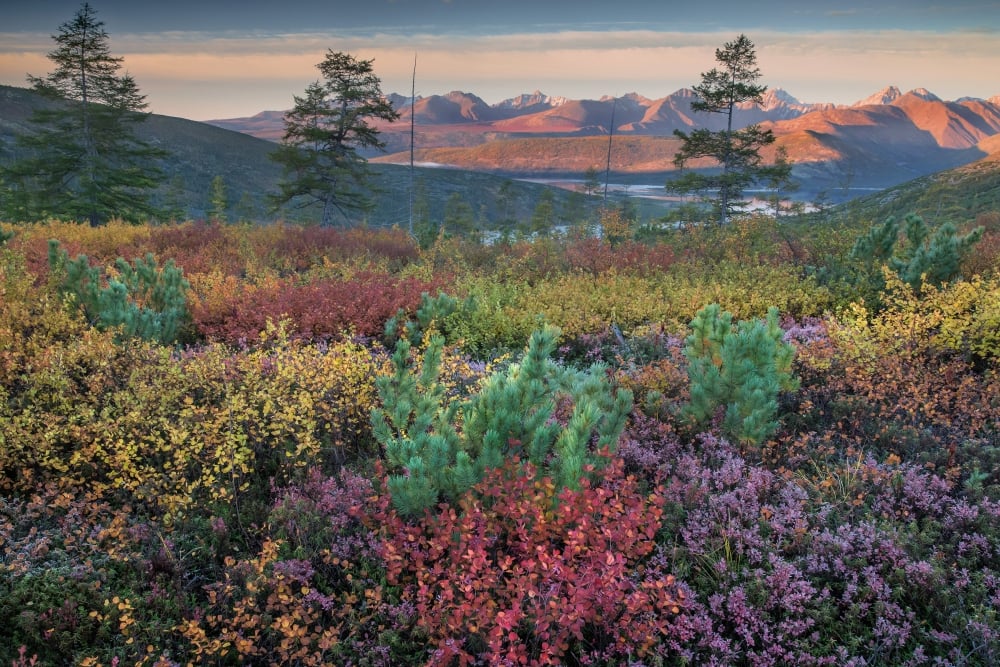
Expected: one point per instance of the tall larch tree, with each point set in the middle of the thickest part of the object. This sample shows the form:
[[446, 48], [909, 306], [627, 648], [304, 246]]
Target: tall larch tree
[[324, 132], [736, 152], [82, 158]]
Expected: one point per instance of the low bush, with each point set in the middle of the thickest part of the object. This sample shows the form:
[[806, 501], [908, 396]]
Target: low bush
[[438, 447], [521, 572], [740, 368], [140, 299], [172, 431], [318, 310], [847, 562], [313, 594]]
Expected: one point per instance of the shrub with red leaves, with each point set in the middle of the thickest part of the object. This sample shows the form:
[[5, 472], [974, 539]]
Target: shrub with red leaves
[[322, 309], [597, 256], [520, 573]]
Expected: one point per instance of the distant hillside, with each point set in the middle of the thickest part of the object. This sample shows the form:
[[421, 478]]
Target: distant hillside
[[885, 139], [269, 125], [199, 152], [957, 195], [553, 156]]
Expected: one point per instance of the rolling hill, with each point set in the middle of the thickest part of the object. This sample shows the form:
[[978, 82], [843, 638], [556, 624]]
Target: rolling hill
[[199, 152], [840, 153], [956, 195]]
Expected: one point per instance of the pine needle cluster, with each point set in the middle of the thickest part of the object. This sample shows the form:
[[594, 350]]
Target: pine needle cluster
[[438, 448], [741, 367]]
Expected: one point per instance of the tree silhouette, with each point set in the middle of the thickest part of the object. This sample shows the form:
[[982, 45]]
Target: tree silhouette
[[737, 152], [323, 134], [82, 159]]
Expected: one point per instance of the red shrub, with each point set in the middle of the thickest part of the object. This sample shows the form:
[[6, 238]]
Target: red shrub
[[322, 309], [36, 255], [984, 258], [205, 247], [522, 574], [196, 247], [597, 256], [298, 248]]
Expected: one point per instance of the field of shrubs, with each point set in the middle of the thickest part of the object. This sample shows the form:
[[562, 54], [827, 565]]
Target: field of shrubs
[[280, 445]]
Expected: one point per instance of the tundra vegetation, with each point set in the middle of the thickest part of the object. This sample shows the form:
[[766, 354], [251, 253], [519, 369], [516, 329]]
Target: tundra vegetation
[[767, 442], [237, 444]]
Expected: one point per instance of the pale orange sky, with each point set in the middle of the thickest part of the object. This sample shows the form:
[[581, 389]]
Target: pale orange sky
[[220, 74]]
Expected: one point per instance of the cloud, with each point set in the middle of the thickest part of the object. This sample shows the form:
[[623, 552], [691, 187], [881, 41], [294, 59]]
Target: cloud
[[838, 66]]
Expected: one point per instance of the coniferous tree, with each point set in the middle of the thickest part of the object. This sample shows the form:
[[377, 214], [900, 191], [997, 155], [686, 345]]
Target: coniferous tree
[[219, 202], [83, 159], [324, 132], [591, 181], [778, 179], [425, 229], [735, 151], [741, 367], [173, 204], [438, 448], [435, 313], [934, 258], [573, 213], [543, 218], [459, 218], [143, 301], [507, 204], [245, 209]]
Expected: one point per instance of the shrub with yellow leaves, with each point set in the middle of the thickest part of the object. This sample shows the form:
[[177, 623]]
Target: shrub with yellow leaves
[[962, 317]]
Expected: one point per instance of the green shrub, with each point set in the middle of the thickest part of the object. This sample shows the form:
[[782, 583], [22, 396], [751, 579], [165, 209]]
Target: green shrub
[[439, 449], [934, 259], [436, 312], [146, 301], [741, 367]]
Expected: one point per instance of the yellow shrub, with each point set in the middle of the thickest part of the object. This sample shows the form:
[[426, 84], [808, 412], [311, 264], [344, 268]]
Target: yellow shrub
[[53, 370], [580, 303], [962, 317], [105, 242], [216, 423], [168, 429]]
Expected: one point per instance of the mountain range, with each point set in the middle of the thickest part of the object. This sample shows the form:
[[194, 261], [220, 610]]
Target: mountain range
[[882, 140], [840, 153], [537, 113]]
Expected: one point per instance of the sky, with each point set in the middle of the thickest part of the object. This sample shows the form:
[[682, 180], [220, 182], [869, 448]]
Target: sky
[[202, 60]]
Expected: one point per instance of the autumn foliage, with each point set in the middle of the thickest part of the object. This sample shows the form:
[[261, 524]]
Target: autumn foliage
[[521, 572], [226, 499]]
